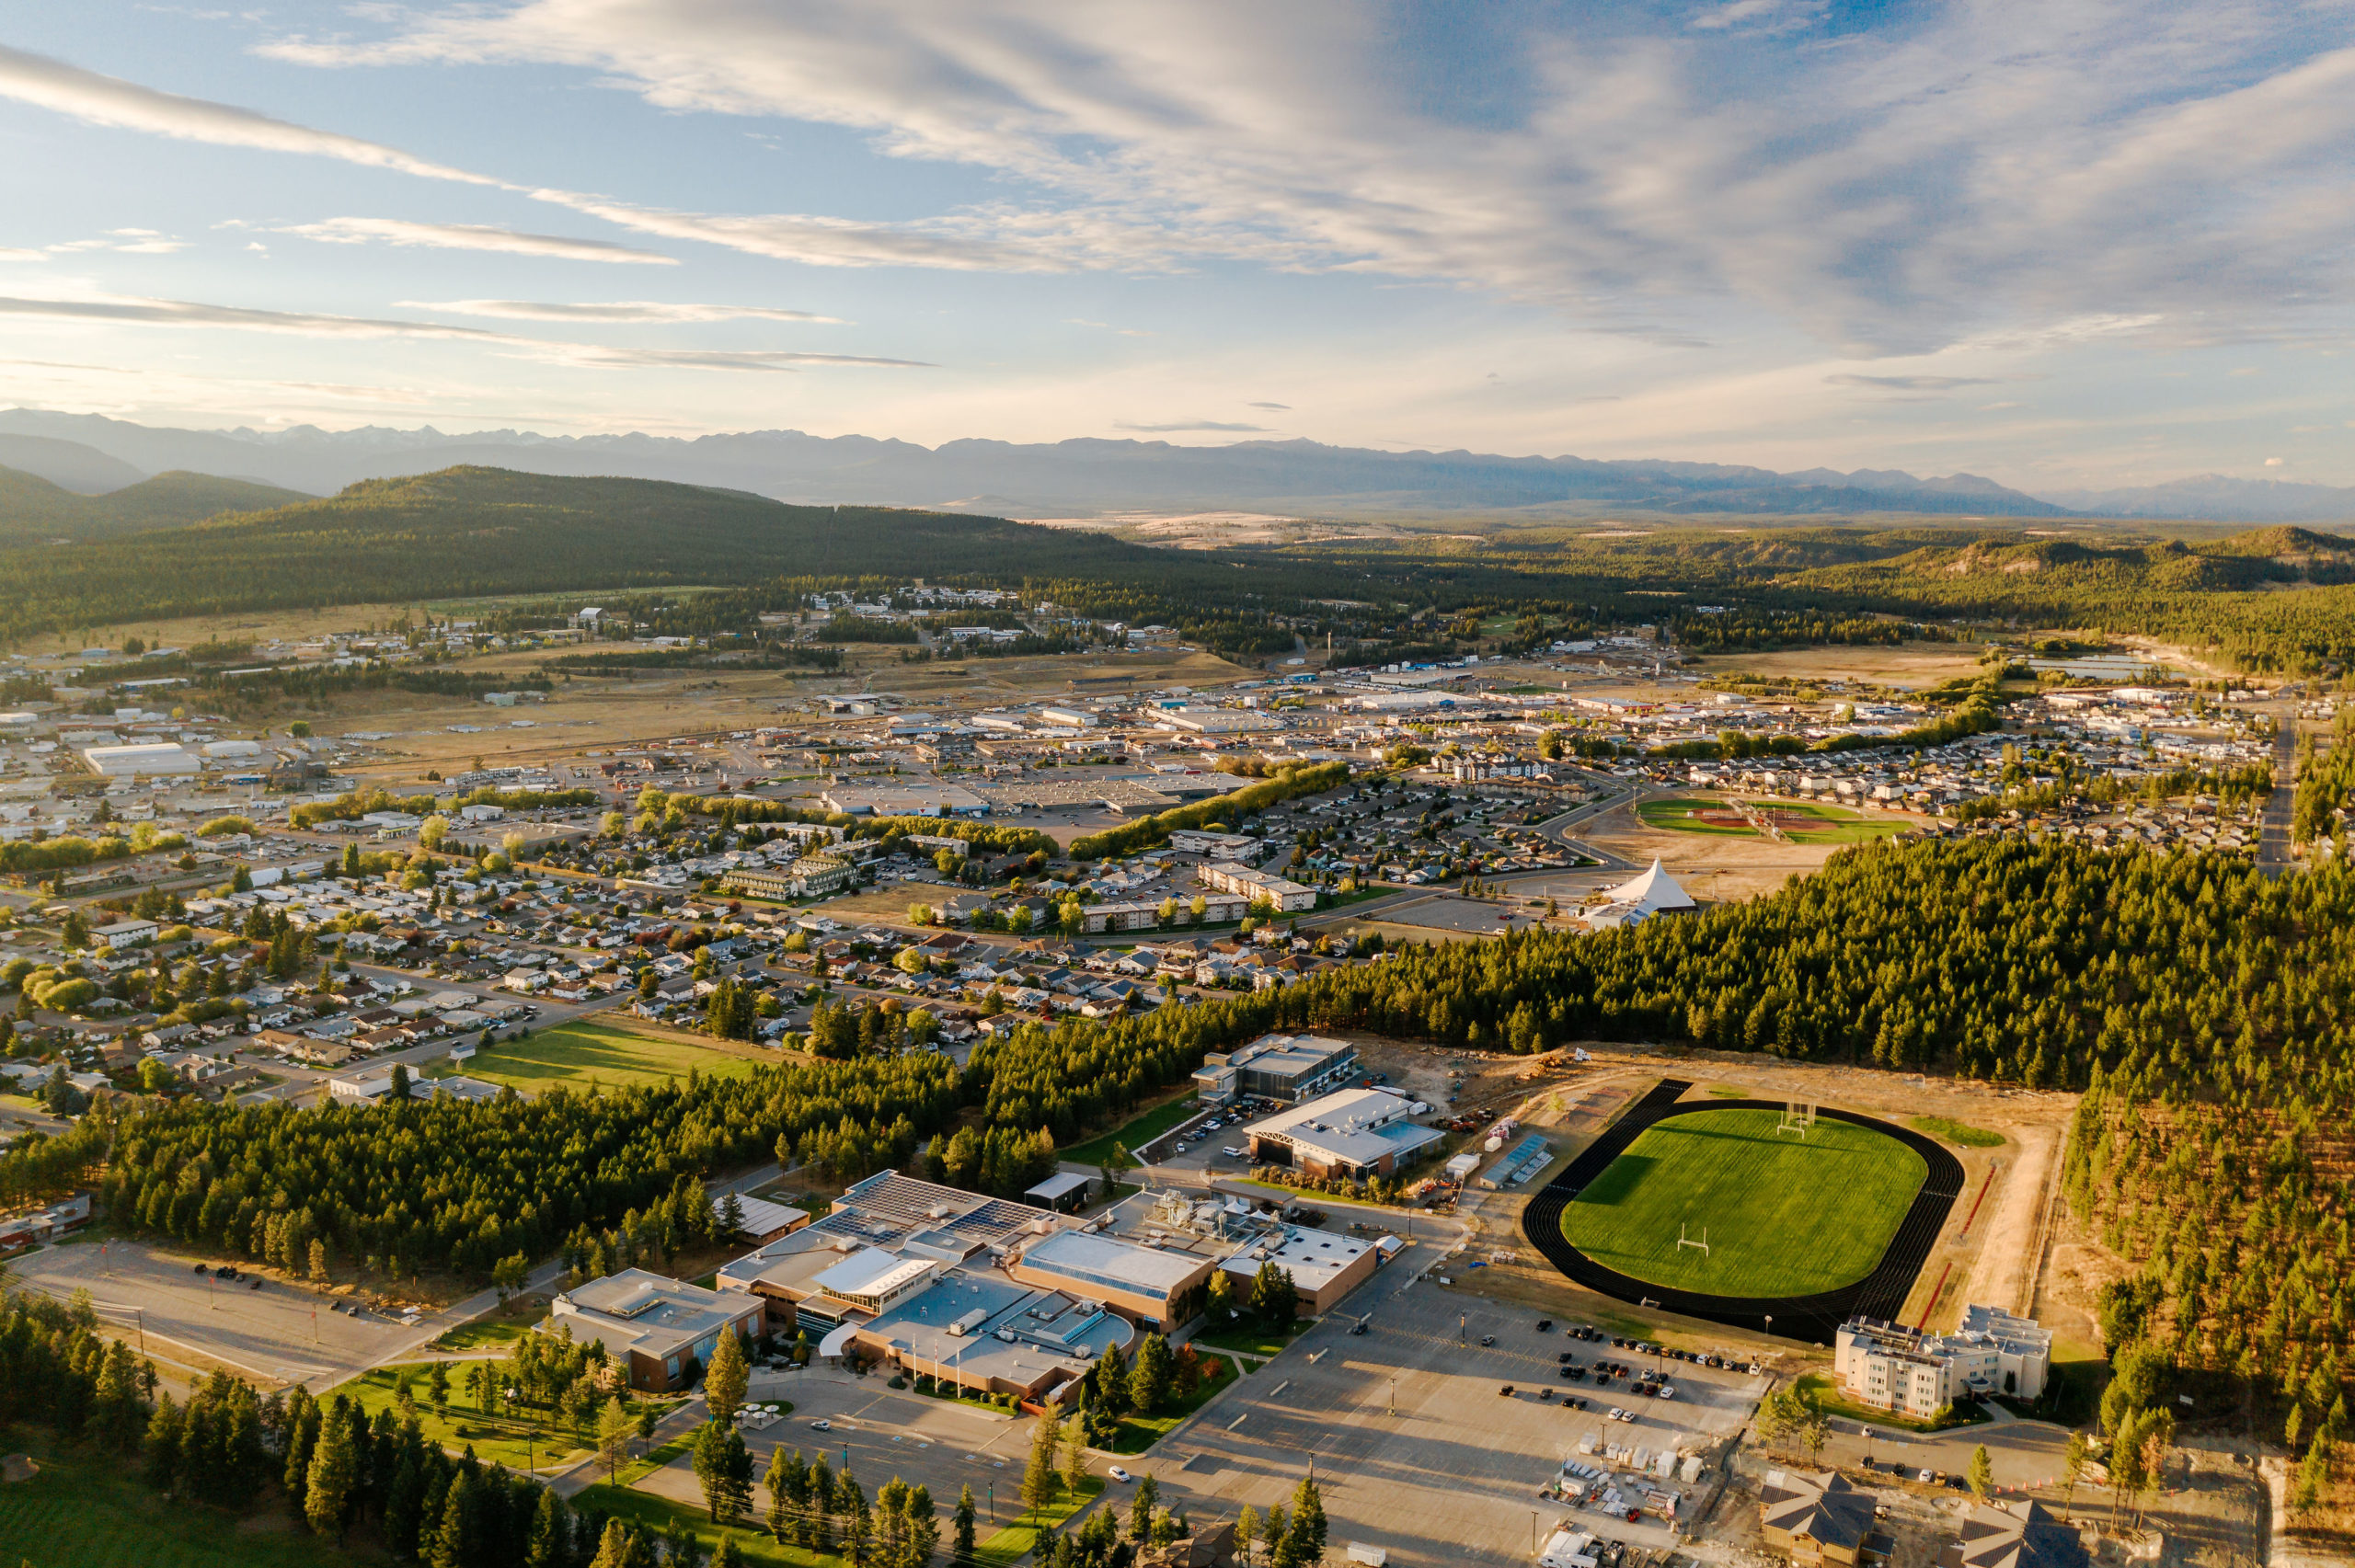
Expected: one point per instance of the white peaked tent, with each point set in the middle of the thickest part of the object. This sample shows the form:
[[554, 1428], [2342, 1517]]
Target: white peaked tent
[[1653, 893]]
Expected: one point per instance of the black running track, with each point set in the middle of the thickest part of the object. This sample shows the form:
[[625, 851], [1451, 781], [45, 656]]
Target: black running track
[[1810, 1319]]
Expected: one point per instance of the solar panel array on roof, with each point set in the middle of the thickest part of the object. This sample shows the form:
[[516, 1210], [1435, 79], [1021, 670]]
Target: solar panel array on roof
[[887, 1208]]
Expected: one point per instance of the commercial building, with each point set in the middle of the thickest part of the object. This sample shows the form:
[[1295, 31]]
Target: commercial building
[[124, 934], [146, 759], [1153, 1288], [1289, 1067], [663, 1331], [1355, 1133], [1324, 1266], [1890, 1366], [906, 798], [1819, 1519], [1287, 896]]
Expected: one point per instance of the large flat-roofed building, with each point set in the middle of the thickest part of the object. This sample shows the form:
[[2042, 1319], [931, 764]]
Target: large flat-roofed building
[[1289, 1067], [905, 797], [1153, 1289], [1287, 896], [661, 1331], [146, 758], [1819, 1519], [1355, 1133], [1890, 1366], [1324, 1266]]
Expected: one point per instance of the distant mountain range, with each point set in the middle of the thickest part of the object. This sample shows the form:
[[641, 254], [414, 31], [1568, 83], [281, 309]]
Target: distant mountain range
[[2219, 497], [90, 453]]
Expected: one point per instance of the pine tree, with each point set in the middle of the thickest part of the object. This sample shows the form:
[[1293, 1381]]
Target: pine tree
[[328, 1484], [1308, 1518], [1039, 1483], [1982, 1474], [962, 1537], [612, 1437], [729, 1377], [1149, 1378]]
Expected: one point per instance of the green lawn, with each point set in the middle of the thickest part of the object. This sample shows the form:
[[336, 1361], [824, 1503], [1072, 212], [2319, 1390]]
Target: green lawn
[[1134, 1131], [1138, 1433], [495, 1437], [85, 1510], [1253, 1338], [1677, 814], [484, 1333], [586, 1052], [1957, 1132], [1824, 1394], [1837, 825], [656, 1515], [1015, 1542], [1784, 1216]]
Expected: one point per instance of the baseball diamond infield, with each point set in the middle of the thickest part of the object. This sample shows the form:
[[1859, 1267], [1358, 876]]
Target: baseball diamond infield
[[1807, 1231]]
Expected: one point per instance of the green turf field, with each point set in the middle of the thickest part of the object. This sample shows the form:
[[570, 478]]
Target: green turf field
[[612, 1055], [1677, 814], [1786, 1216], [90, 1510], [1830, 824]]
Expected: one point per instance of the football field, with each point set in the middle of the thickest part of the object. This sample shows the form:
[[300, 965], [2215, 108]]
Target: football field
[[1783, 1215]]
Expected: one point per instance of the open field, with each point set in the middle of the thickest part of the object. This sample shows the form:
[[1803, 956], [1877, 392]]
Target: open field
[[85, 1510], [1953, 1131], [499, 1439], [1786, 1216], [1135, 1132], [1686, 816], [582, 1054], [1802, 823], [1911, 665]]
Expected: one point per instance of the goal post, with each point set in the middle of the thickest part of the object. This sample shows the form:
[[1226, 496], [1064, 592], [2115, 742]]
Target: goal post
[[1797, 1117], [1682, 1241]]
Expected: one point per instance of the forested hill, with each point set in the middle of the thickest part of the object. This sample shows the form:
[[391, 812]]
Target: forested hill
[[35, 511], [484, 531]]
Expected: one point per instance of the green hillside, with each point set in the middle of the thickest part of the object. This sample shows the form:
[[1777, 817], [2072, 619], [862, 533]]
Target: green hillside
[[35, 512], [487, 530]]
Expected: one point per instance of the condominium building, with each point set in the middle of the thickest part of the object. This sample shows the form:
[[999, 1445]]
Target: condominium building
[[1287, 896], [1893, 1367]]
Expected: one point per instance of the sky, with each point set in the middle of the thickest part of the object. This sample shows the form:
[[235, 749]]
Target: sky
[[2058, 243]]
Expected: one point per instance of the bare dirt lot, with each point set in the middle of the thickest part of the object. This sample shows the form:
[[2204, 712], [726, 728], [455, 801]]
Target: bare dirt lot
[[1714, 868]]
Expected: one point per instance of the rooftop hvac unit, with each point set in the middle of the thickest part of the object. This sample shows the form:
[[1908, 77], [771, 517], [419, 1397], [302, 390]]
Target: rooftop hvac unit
[[1007, 1334], [939, 1211]]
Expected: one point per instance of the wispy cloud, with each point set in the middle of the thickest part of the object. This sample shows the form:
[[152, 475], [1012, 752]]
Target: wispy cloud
[[1910, 382], [471, 236], [1192, 424], [616, 311], [188, 312], [716, 358], [109, 100], [1276, 407]]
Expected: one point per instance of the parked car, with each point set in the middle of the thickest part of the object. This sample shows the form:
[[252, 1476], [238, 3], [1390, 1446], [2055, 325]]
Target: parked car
[[821, 1425], [1360, 1327], [1232, 1152], [1544, 1325], [1487, 1339]]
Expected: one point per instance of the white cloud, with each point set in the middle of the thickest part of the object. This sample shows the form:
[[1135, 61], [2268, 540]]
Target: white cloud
[[14, 253], [713, 359], [187, 313], [471, 236], [616, 311], [109, 100], [1947, 171]]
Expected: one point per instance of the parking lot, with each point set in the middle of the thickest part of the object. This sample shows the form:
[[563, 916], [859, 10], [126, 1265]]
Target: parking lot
[[278, 1333], [1413, 1445], [881, 1431]]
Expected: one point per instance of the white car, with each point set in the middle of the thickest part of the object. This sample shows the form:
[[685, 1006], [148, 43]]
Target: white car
[[1232, 1153], [822, 1427], [1666, 1392], [1117, 1473]]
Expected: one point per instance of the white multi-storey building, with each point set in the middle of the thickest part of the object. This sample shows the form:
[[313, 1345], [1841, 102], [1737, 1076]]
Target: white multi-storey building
[[1992, 1352]]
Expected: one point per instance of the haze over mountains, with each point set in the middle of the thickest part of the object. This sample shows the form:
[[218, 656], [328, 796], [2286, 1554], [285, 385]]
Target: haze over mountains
[[93, 454]]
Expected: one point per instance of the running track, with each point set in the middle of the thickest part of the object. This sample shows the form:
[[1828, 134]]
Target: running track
[[1810, 1319]]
